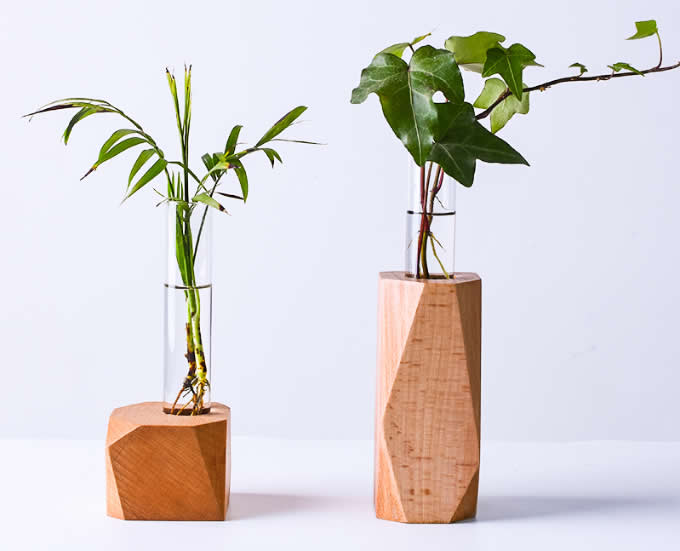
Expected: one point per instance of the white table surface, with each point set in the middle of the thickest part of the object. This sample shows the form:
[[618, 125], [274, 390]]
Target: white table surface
[[318, 495]]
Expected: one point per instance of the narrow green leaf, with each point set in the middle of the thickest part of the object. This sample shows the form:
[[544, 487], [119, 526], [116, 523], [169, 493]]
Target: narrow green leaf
[[271, 154], [149, 175], [644, 29], [582, 68], [620, 66], [509, 64], [230, 195], [243, 177], [115, 150], [232, 139], [207, 200], [117, 135], [208, 160], [470, 51], [79, 116], [505, 110], [280, 125], [144, 156]]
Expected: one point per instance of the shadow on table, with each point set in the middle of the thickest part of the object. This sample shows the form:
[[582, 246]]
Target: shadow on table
[[246, 505], [492, 508]]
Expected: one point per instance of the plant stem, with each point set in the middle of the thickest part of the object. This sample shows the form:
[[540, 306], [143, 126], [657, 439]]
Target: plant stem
[[546, 85]]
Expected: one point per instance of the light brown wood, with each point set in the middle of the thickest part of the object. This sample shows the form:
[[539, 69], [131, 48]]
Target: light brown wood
[[168, 467], [427, 435]]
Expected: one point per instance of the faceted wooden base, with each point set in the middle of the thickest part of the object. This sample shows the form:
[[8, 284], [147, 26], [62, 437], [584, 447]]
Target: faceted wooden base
[[167, 467], [428, 398]]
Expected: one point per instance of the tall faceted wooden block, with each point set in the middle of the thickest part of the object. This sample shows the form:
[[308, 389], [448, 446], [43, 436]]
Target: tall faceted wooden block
[[428, 398], [167, 467]]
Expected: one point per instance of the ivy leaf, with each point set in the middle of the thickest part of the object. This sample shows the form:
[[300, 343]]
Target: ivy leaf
[[406, 90], [463, 140], [582, 68], [470, 51], [620, 66], [398, 49], [644, 29], [509, 63], [505, 110]]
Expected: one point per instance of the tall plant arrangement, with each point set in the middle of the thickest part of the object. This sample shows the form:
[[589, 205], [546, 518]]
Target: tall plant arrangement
[[447, 137], [192, 195]]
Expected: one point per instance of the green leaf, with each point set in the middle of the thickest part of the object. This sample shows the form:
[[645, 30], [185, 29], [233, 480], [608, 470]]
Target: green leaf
[[463, 140], [644, 29], [470, 51], [510, 64], [79, 116], [144, 156], [582, 68], [406, 91], [232, 139], [155, 170], [117, 135], [243, 177], [505, 110], [398, 49], [280, 125], [620, 66], [207, 200], [115, 150], [271, 154]]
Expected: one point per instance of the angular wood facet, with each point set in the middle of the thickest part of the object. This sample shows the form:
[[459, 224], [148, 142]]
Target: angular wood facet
[[428, 398], [167, 467]]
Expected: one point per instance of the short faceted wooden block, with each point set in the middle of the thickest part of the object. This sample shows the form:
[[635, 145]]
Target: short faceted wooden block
[[428, 398], [167, 467]]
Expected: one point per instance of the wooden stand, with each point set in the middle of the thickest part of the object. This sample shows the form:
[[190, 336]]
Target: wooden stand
[[167, 467], [428, 398]]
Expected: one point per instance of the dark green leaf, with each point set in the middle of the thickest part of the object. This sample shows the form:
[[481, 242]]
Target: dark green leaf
[[207, 200], [406, 92], [510, 64], [462, 140], [470, 51], [155, 170], [230, 195], [280, 125], [620, 66], [144, 156], [208, 160], [644, 29], [232, 139], [582, 68], [505, 110]]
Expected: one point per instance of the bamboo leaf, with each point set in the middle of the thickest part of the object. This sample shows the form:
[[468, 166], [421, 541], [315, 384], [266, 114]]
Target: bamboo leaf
[[79, 116], [280, 125], [242, 178], [149, 175], [115, 150], [144, 156], [230, 195], [207, 200], [232, 139], [117, 135], [271, 154]]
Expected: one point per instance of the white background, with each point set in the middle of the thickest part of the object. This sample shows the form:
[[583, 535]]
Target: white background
[[578, 253]]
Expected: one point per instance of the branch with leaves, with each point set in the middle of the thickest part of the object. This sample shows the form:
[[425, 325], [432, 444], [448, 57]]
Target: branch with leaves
[[185, 189], [450, 134]]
